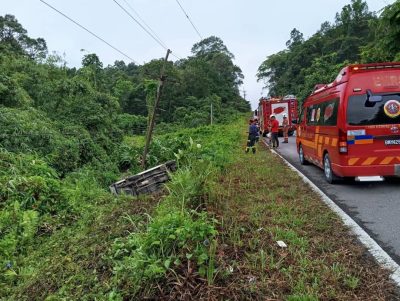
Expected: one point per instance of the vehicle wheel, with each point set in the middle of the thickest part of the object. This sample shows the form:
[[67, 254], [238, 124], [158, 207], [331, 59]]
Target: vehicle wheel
[[303, 161], [330, 177], [290, 133], [264, 134]]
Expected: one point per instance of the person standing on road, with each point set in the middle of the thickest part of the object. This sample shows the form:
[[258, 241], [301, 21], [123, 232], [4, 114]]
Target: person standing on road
[[285, 125], [251, 139], [274, 131]]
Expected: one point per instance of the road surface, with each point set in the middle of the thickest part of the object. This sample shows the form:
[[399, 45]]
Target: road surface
[[375, 206]]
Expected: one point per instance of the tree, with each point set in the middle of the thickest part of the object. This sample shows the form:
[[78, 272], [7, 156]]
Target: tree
[[209, 46], [291, 71], [385, 43], [92, 69], [296, 38], [14, 38]]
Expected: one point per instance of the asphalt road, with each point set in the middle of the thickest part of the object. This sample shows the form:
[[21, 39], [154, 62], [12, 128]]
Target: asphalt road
[[375, 206]]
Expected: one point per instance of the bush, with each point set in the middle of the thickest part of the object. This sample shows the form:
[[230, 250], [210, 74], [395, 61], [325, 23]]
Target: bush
[[170, 241], [29, 191], [132, 124]]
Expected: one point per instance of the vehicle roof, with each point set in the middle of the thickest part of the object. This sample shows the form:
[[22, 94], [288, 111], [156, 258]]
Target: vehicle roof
[[278, 99], [350, 70]]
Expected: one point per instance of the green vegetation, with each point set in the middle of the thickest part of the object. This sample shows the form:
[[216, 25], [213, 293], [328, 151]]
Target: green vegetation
[[120, 247], [259, 201], [68, 133], [356, 36]]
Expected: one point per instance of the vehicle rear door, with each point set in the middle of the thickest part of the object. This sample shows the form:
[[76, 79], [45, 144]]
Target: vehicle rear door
[[373, 132]]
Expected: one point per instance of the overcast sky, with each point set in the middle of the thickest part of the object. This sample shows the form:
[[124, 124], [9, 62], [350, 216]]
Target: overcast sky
[[251, 29]]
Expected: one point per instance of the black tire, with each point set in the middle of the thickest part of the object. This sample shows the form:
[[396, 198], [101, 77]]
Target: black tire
[[290, 133], [330, 177], [302, 160]]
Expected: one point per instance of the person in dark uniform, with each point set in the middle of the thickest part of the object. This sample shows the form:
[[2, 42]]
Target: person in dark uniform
[[251, 139]]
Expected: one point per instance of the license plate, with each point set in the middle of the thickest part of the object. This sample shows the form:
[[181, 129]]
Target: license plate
[[392, 142]]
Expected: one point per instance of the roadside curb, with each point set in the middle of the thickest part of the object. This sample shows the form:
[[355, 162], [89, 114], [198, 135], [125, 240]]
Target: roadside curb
[[372, 246]]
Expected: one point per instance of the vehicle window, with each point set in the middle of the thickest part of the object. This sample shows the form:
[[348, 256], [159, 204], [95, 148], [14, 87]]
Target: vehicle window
[[311, 115], [362, 112], [328, 114], [324, 113]]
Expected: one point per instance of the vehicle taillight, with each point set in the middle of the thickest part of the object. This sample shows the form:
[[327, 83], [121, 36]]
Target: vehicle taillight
[[342, 142]]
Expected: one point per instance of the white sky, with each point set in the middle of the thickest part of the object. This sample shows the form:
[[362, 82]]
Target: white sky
[[251, 29]]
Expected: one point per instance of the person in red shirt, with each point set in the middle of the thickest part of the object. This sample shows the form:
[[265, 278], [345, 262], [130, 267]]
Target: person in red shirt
[[274, 131]]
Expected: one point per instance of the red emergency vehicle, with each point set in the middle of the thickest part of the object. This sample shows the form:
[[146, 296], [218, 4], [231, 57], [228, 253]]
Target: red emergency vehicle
[[279, 107], [351, 127]]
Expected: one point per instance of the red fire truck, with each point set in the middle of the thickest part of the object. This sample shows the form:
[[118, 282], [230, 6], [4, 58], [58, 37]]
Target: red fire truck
[[351, 127], [279, 107]]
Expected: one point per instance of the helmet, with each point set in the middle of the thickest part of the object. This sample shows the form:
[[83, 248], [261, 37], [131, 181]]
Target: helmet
[[272, 115], [284, 115]]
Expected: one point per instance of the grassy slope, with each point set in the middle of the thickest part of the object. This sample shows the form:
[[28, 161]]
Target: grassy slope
[[257, 201], [260, 201], [73, 263]]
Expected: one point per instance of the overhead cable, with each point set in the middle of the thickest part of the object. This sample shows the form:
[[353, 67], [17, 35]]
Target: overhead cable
[[153, 36], [92, 33], [141, 19], [187, 16], [145, 29]]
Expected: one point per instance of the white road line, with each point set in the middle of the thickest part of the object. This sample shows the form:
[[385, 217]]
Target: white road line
[[376, 251]]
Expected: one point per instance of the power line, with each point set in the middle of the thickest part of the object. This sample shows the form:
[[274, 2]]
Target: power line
[[141, 19], [145, 29], [93, 34], [187, 16]]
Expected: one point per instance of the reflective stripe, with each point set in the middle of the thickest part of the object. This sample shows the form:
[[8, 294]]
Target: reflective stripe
[[353, 161], [308, 143], [320, 139], [334, 141], [369, 161], [366, 141], [387, 160], [326, 140], [320, 150]]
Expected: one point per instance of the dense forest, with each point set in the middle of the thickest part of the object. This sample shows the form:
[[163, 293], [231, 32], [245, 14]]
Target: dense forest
[[77, 117], [356, 36], [67, 133]]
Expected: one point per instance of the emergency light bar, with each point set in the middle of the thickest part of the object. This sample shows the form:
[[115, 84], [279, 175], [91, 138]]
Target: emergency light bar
[[373, 67]]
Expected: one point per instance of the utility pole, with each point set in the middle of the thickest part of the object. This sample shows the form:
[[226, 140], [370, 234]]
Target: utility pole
[[153, 116], [244, 94]]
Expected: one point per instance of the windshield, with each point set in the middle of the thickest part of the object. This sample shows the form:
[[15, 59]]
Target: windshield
[[360, 111]]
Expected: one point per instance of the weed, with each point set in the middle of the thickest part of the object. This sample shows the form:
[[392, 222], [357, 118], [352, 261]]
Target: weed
[[351, 282], [301, 298]]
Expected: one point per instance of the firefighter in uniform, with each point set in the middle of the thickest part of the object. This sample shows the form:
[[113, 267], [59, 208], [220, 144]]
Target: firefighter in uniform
[[285, 125], [251, 140]]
